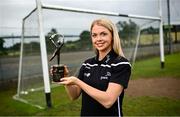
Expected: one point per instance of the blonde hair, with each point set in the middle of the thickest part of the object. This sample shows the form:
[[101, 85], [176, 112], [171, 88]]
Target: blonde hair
[[116, 44]]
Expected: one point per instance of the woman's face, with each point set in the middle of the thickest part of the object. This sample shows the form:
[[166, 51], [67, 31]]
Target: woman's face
[[101, 38]]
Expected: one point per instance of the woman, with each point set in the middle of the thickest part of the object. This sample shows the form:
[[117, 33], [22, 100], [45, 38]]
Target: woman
[[102, 79]]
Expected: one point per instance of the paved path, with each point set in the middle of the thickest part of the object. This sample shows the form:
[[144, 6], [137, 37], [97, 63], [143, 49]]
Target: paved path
[[161, 87]]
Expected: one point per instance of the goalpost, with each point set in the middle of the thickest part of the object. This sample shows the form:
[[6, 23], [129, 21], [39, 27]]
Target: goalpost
[[36, 56]]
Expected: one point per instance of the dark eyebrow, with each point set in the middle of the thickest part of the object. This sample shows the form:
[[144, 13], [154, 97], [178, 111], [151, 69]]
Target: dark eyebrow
[[103, 32], [93, 33]]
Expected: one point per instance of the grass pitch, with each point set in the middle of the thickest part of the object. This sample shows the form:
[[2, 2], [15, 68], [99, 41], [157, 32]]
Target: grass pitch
[[136, 106]]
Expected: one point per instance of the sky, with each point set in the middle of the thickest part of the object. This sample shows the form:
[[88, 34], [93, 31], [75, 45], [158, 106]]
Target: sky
[[13, 11]]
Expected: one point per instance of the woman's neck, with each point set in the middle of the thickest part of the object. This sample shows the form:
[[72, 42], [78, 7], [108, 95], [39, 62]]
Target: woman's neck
[[103, 54]]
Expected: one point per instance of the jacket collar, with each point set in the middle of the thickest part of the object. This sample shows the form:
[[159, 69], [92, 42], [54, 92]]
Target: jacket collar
[[111, 55]]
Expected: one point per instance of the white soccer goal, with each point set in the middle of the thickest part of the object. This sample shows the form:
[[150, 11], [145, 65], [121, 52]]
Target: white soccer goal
[[34, 86]]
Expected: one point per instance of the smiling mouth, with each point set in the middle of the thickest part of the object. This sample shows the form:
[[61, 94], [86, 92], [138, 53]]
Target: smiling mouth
[[99, 45]]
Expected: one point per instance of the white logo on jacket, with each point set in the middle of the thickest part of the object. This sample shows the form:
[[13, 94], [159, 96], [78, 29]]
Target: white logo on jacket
[[87, 74], [108, 74]]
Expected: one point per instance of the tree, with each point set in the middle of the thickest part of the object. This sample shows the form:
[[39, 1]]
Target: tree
[[84, 43], [127, 31], [2, 49], [15, 47], [1, 44], [85, 40]]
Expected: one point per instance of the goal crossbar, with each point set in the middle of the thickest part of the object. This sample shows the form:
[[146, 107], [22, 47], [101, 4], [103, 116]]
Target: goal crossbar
[[97, 12]]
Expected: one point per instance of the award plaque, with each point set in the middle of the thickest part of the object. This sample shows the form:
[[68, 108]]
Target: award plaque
[[58, 72], [58, 69]]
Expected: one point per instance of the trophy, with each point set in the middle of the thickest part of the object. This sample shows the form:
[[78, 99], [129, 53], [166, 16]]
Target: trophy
[[58, 69]]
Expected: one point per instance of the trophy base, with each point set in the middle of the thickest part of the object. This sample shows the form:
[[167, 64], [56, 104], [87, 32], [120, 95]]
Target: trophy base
[[58, 72]]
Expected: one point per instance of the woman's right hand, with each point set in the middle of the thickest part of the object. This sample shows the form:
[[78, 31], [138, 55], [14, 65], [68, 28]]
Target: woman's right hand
[[66, 71], [51, 71]]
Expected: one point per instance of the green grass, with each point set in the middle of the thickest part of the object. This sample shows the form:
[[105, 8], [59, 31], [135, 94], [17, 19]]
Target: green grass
[[151, 106], [12, 107], [61, 105], [150, 68], [136, 106]]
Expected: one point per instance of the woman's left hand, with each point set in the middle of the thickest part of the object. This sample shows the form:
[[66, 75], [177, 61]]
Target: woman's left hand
[[69, 80]]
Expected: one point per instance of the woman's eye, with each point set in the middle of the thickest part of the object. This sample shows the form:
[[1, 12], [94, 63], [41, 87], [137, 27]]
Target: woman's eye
[[93, 35], [103, 34]]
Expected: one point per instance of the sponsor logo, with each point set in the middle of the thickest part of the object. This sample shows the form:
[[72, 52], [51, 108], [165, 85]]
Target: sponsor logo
[[104, 78], [108, 74]]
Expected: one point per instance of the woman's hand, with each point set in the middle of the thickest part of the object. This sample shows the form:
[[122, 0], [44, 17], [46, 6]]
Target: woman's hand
[[72, 89], [66, 71], [69, 80], [51, 71]]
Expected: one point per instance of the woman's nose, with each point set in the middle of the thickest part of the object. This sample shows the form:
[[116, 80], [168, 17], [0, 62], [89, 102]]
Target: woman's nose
[[98, 38]]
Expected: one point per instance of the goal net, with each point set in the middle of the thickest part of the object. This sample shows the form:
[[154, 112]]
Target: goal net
[[139, 38], [30, 84]]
